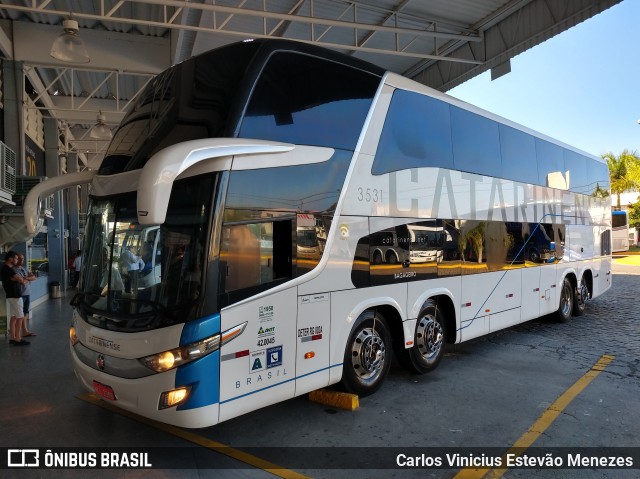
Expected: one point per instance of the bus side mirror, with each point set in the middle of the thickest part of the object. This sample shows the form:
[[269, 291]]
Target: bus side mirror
[[76, 300]]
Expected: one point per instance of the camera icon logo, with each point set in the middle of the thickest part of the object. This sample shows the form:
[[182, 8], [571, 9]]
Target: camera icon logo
[[23, 458]]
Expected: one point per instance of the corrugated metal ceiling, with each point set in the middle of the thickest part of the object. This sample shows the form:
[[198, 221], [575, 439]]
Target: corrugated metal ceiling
[[437, 42]]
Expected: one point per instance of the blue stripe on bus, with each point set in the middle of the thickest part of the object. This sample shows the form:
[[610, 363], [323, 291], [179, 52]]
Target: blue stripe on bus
[[203, 375], [199, 329], [279, 384]]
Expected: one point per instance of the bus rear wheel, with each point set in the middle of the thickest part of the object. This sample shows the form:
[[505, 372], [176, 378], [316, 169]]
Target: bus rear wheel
[[566, 302], [580, 297], [367, 358], [429, 341]]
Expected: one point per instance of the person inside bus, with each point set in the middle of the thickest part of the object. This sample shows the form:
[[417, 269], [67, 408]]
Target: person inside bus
[[132, 265], [147, 259], [111, 284], [116, 285]]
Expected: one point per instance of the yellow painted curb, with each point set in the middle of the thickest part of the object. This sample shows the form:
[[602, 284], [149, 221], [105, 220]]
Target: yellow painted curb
[[349, 402], [541, 425], [633, 260]]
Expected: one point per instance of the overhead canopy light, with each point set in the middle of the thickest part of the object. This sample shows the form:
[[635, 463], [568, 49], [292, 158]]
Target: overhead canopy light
[[100, 131], [69, 47]]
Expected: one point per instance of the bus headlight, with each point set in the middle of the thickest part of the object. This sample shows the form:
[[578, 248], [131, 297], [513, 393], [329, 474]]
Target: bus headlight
[[73, 338], [173, 358], [166, 360]]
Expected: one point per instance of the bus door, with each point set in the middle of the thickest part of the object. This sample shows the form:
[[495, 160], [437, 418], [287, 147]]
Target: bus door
[[602, 275], [257, 368]]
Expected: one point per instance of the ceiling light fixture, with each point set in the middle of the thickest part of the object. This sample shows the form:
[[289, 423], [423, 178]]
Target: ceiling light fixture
[[69, 47], [100, 131]]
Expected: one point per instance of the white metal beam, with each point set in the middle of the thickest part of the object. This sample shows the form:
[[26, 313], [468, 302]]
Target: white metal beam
[[6, 45], [169, 21]]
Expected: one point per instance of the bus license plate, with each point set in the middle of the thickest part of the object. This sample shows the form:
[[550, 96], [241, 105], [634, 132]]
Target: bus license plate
[[104, 391]]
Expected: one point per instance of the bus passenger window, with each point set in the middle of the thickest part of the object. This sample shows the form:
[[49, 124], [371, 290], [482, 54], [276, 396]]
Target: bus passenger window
[[243, 257], [256, 254]]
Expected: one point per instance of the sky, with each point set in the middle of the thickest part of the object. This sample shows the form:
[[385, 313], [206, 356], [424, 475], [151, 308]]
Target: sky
[[581, 87]]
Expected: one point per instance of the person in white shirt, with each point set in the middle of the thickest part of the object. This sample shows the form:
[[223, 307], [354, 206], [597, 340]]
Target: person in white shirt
[[132, 265], [77, 263], [25, 291]]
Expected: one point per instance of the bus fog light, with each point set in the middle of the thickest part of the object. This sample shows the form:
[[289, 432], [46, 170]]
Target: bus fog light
[[174, 397]]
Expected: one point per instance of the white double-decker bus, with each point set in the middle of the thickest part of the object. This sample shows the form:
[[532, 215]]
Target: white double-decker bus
[[231, 158]]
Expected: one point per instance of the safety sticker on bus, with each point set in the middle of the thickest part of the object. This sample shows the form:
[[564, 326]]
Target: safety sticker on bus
[[257, 361], [274, 357]]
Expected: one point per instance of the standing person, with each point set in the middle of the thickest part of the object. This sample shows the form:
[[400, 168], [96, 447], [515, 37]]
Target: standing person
[[25, 293], [132, 265], [77, 263], [11, 282]]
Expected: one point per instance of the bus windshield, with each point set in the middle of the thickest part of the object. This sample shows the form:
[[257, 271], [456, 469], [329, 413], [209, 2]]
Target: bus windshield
[[154, 272]]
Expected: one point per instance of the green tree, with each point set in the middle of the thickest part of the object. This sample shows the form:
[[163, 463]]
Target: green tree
[[473, 238], [634, 214], [624, 172]]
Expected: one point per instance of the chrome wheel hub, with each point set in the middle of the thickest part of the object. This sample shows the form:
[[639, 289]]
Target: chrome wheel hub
[[429, 335], [368, 353]]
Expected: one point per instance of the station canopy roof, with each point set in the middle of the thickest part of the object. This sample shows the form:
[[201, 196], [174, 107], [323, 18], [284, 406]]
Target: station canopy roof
[[440, 43]]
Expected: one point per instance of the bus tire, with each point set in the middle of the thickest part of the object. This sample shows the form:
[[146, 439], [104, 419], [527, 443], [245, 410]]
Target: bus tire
[[534, 255], [429, 341], [566, 302], [367, 357], [580, 297]]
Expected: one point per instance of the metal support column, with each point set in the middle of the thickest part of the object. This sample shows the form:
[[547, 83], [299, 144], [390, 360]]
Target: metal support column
[[74, 228], [55, 226], [13, 88]]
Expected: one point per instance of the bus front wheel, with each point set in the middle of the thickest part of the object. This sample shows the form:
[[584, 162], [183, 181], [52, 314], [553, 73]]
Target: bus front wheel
[[429, 341], [367, 358], [566, 302]]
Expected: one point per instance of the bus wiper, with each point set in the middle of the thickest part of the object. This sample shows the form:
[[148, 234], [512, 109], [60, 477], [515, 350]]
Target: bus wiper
[[80, 297], [157, 307]]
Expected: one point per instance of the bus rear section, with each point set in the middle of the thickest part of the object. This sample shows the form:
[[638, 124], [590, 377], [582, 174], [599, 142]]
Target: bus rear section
[[619, 231]]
